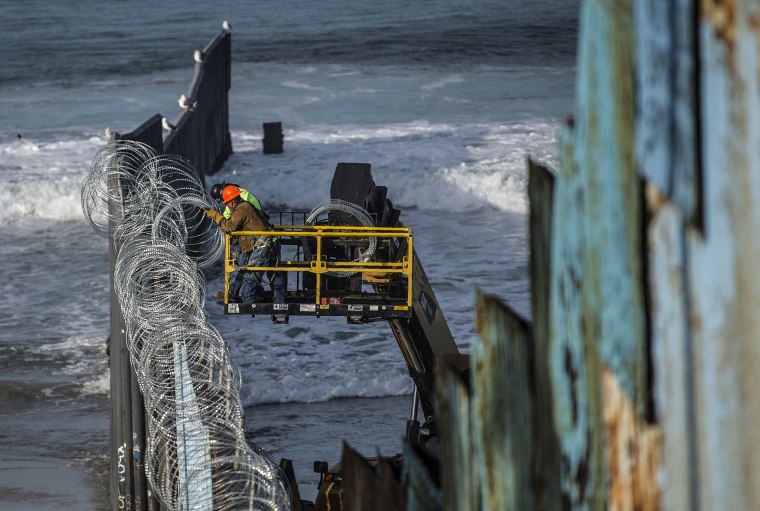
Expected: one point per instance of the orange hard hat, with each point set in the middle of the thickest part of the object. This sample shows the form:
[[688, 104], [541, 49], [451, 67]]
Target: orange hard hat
[[230, 193]]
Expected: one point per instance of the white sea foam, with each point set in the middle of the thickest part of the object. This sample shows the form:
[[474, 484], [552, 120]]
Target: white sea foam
[[293, 84], [82, 358], [448, 80], [326, 360], [43, 179], [430, 166]]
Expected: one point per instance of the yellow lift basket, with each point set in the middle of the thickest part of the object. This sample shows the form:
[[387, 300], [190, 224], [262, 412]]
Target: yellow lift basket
[[374, 272]]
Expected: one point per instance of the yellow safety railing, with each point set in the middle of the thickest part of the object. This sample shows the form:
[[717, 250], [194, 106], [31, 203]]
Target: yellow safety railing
[[370, 271]]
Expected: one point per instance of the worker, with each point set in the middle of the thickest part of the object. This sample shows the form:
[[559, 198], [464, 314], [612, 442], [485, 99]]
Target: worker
[[216, 194], [252, 250]]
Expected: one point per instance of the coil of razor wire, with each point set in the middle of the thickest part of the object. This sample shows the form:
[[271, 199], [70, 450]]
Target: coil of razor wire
[[115, 163], [197, 457], [359, 214]]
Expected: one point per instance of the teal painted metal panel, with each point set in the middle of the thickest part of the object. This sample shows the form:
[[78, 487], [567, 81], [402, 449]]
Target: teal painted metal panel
[[459, 480], [672, 356], [423, 489], [666, 99], [724, 282], [604, 155], [566, 351], [502, 407]]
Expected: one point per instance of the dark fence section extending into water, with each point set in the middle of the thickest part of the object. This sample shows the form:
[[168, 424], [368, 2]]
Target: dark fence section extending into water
[[201, 135]]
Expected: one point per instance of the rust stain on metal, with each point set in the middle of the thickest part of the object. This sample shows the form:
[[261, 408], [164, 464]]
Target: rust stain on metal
[[753, 22], [503, 381], [722, 15], [633, 451], [654, 198], [460, 482]]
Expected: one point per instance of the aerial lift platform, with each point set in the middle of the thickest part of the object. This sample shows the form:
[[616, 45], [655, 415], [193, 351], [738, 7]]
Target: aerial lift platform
[[327, 281], [365, 273]]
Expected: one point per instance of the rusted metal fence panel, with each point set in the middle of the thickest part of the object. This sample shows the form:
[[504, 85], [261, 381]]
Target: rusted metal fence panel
[[572, 377], [612, 287], [633, 451], [459, 480], [597, 312], [723, 280], [502, 406], [546, 444], [671, 351], [667, 88], [368, 486], [420, 477]]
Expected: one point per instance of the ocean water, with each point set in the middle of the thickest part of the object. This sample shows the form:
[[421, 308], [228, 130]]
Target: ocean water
[[446, 100]]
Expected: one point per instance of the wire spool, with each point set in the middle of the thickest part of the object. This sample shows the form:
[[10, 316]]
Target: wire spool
[[359, 214]]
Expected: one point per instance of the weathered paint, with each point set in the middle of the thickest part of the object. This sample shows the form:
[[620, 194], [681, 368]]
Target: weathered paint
[[612, 289], [667, 118], [368, 486], [724, 283], [571, 393], [420, 478], [672, 351], [502, 406], [461, 485], [633, 453], [598, 310], [547, 473]]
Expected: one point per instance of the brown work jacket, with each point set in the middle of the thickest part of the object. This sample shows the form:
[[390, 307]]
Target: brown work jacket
[[244, 218]]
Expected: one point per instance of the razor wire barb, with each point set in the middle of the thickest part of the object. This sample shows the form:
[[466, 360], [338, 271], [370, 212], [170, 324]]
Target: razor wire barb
[[151, 208]]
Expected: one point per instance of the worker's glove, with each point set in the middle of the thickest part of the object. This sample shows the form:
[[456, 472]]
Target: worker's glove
[[214, 215]]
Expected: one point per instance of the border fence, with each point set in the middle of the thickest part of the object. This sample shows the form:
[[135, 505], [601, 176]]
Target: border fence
[[204, 110], [177, 429], [633, 384]]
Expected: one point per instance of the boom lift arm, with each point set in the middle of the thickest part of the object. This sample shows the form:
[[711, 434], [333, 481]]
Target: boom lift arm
[[424, 337]]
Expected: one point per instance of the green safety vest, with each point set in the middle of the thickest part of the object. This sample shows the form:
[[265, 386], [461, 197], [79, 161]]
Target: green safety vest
[[246, 196]]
